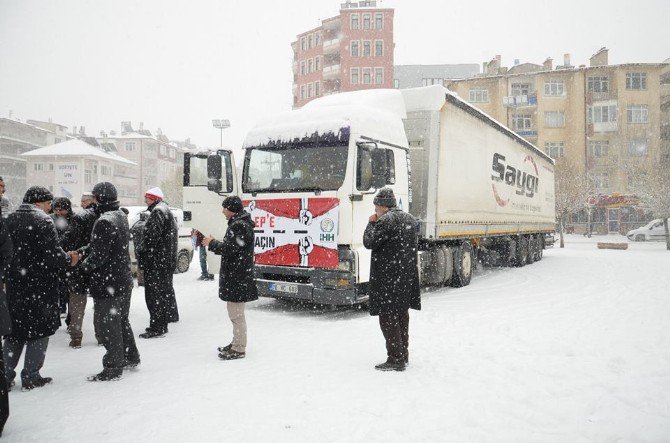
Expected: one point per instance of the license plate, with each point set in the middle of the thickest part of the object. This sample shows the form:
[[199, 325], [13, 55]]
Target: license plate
[[284, 287]]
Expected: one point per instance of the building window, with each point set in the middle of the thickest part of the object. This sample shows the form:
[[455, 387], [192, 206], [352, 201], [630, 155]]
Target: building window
[[554, 119], [479, 95], [366, 21], [600, 180], [95, 169], [302, 92], [598, 84], [316, 89], [173, 153], [105, 170], [354, 49], [87, 176], [521, 122], [520, 89], [367, 48], [636, 80], [367, 76], [554, 88], [302, 68], [303, 43], [317, 64], [130, 146], [354, 21], [432, 81], [602, 114], [379, 76], [396, 83], [317, 39], [354, 76], [51, 166], [310, 41], [310, 65], [555, 149], [638, 114], [637, 148], [38, 166], [310, 91], [379, 20], [598, 148], [379, 48], [162, 150]]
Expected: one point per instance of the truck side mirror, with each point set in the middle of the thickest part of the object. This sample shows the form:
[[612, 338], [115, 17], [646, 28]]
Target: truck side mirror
[[214, 170]]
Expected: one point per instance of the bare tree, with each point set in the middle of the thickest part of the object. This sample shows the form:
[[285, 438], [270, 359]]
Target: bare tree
[[652, 186], [572, 192]]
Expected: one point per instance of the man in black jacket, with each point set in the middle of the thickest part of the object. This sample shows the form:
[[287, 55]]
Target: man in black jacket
[[5, 321], [236, 278], [394, 276], [76, 237], [62, 215], [32, 285], [157, 257], [107, 262]]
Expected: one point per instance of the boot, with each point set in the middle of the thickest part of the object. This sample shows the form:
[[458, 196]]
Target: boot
[[131, 362], [230, 354], [107, 374], [37, 382], [75, 343], [225, 348], [152, 333], [391, 365]]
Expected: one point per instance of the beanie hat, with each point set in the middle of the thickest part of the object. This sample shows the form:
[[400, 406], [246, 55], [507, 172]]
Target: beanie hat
[[233, 204], [37, 194], [385, 197], [62, 203], [87, 194], [154, 194], [104, 192]]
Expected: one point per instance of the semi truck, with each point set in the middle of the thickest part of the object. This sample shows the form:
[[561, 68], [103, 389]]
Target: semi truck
[[478, 191]]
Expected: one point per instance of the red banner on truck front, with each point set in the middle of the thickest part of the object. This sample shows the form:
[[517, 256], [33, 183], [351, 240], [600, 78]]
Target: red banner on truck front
[[295, 231]]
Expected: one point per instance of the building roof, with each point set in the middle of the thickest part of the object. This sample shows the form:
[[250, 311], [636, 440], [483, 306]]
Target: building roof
[[75, 148], [448, 71]]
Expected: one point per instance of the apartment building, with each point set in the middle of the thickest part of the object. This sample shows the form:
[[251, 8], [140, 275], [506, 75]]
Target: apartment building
[[350, 51], [415, 76], [17, 138], [598, 117], [158, 160]]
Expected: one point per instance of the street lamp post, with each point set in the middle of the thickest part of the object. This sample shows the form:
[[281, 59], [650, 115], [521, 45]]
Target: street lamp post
[[221, 125]]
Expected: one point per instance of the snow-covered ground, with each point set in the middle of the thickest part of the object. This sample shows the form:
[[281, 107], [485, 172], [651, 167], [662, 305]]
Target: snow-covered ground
[[573, 348]]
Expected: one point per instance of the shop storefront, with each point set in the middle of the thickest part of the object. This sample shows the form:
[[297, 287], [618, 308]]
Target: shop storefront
[[610, 214]]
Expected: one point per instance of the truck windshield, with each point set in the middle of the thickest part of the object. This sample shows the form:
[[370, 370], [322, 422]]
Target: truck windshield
[[287, 169]]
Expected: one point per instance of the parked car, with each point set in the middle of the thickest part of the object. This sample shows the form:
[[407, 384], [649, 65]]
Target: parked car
[[654, 230], [184, 245]]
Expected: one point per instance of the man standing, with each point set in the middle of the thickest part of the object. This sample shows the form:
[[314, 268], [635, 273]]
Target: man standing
[[76, 237], [158, 259], [62, 216], [202, 250], [394, 276], [32, 286], [5, 206], [5, 322], [236, 278], [107, 263]]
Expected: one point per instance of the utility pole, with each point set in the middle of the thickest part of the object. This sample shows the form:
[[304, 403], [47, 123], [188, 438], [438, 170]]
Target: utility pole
[[221, 125]]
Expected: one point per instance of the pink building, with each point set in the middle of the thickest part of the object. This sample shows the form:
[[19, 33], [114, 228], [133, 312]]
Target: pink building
[[348, 52]]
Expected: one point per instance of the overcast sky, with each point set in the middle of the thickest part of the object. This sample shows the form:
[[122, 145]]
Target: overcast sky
[[179, 64]]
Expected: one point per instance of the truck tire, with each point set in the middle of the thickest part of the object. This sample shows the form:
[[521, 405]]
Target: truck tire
[[540, 247], [532, 249], [464, 260], [522, 248]]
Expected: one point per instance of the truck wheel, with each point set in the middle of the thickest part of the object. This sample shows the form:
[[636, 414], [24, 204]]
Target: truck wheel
[[532, 250], [540, 247], [464, 261], [522, 248], [183, 262]]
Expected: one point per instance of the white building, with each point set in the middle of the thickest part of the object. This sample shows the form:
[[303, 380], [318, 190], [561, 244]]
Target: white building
[[70, 168]]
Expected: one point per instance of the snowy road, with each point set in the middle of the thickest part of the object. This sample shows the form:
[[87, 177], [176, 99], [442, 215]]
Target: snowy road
[[573, 348]]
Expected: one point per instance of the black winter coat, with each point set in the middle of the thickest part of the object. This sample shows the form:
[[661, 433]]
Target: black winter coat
[[236, 278], [394, 276], [158, 246], [32, 276], [5, 259], [78, 235], [106, 258]]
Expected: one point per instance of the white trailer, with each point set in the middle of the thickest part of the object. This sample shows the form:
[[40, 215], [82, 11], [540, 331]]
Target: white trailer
[[478, 190]]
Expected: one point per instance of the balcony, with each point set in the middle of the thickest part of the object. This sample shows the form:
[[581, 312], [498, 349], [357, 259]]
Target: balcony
[[332, 45], [600, 96], [601, 127], [520, 101], [527, 133], [331, 71]]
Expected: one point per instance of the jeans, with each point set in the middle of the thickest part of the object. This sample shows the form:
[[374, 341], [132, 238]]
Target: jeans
[[395, 327], [36, 351], [203, 261]]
